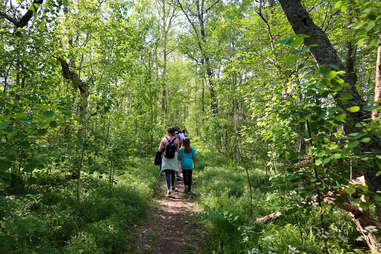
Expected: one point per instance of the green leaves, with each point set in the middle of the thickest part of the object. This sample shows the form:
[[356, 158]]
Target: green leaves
[[366, 140], [338, 4], [341, 117], [48, 114], [295, 40], [353, 109], [353, 144], [4, 125], [346, 96], [350, 190], [53, 124]]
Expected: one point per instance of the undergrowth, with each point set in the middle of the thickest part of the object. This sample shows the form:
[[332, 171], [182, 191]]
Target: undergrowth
[[49, 219], [224, 196]]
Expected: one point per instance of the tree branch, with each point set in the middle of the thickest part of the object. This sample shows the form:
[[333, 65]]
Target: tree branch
[[211, 6], [10, 19], [192, 24], [23, 21]]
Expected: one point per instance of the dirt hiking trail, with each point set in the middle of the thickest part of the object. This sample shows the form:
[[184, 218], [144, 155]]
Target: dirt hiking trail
[[171, 226]]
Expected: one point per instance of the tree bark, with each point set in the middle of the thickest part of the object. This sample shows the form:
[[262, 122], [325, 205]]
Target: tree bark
[[325, 55], [200, 34], [84, 92], [24, 20], [377, 89]]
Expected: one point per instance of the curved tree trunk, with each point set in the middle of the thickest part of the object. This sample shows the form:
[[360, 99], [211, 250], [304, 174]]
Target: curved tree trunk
[[326, 55], [84, 93]]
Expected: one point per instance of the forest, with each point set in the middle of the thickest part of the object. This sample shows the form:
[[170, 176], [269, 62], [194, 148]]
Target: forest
[[281, 100]]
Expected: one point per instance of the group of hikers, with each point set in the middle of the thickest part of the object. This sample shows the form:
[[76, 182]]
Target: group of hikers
[[176, 155]]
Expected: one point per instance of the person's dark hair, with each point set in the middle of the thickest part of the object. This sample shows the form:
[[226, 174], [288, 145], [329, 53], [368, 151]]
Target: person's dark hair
[[176, 128], [171, 131], [187, 146]]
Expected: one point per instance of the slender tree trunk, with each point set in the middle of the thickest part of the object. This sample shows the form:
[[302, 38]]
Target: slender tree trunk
[[236, 134], [250, 192], [199, 32], [84, 95], [202, 96], [164, 76], [377, 89]]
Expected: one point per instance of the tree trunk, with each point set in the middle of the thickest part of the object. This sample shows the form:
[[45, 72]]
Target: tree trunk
[[164, 76], [199, 32], [326, 55], [377, 89], [84, 93]]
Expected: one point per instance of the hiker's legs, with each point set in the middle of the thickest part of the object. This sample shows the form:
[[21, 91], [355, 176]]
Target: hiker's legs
[[173, 179], [187, 174], [185, 177], [168, 174], [190, 181]]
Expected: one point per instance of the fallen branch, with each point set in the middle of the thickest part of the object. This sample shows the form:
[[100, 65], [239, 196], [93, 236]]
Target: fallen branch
[[362, 218]]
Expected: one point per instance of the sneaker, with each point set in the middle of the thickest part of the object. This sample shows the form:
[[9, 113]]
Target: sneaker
[[174, 189], [168, 193]]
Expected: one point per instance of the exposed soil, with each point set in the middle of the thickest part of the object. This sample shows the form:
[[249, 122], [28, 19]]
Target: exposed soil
[[171, 227]]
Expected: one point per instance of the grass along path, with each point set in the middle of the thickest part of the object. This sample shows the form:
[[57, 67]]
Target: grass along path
[[171, 226]]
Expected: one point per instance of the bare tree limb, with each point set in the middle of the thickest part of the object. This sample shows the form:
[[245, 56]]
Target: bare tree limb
[[191, 23], [10, 19], [211, 6]]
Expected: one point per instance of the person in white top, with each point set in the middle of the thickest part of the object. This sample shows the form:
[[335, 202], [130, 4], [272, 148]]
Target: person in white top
[[169, 145]]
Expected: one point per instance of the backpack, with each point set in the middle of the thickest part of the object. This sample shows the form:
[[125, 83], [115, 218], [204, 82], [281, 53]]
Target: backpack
[[170, 149]]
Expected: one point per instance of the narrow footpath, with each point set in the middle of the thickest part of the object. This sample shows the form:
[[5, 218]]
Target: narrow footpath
[[171, 227]]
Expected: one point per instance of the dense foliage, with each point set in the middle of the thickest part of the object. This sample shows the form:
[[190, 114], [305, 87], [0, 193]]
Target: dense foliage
[[89, 87]]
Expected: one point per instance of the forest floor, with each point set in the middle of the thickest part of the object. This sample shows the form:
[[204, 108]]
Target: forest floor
[[171, 226]]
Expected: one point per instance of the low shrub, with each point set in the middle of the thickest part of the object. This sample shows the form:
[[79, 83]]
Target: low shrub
[[225, 197], [49, 219]]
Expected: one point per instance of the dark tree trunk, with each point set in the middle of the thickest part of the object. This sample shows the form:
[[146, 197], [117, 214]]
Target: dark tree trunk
[[17, 183], [326, 55], [24, 20], [84, 93]]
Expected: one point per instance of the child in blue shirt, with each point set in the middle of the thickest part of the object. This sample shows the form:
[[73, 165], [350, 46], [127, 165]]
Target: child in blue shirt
[[187, 157]]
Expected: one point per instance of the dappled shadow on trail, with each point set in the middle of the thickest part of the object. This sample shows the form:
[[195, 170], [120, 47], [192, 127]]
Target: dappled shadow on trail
[[171, 227]]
